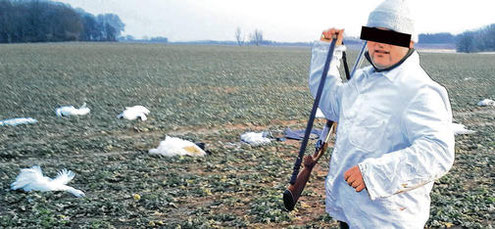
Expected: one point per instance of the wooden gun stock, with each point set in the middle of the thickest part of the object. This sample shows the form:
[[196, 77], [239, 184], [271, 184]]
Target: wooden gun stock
[[293, 192]]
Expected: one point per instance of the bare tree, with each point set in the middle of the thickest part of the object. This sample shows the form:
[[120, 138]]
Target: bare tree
[[257, 37], [238, 36]]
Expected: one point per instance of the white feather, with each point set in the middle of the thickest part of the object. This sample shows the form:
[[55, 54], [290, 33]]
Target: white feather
[[63, 177], [460, 129], [71, 110], [486, 102], [177, 147], [135, 112], [254, 138], [17, 121], [139, 108], [32, 179]]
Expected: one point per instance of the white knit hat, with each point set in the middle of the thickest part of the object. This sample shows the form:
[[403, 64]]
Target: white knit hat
[[394, 15]]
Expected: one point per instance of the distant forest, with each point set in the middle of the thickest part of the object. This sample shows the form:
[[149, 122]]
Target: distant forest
[[477, 41], [470, 41], [436, 38], [47, 21]]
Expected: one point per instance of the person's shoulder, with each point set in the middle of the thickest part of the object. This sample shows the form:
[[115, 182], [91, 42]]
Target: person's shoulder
[[417, 80]]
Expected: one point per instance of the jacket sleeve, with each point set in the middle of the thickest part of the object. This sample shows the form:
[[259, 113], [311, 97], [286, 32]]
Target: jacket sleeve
[[426, 124], [332, 91]]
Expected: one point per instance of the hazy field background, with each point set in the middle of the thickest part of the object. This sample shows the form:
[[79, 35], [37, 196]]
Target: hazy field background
[[208, 94]]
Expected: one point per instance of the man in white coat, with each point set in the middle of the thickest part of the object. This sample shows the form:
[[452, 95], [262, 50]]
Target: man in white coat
[[394, 136]]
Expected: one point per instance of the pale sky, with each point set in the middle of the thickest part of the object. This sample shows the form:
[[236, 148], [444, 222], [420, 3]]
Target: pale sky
[[280, 20]]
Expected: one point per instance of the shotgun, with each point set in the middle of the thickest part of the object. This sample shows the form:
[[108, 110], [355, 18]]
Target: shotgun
[[299, 179]]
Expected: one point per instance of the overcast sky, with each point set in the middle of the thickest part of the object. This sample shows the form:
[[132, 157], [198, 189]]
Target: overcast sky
[[280, 20]]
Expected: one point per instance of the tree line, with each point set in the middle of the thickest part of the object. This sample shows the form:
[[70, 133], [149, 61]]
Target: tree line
[[436, 38], [477, 41], [47, 21], [470, 41], [480, 40]]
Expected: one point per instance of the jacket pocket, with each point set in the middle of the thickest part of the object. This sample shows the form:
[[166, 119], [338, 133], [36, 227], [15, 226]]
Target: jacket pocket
[[367, 130]]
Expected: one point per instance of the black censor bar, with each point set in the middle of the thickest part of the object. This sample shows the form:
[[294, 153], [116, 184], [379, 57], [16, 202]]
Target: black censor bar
[[385, 36]]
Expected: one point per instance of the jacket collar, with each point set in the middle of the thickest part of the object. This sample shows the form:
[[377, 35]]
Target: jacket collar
[[411, 58]]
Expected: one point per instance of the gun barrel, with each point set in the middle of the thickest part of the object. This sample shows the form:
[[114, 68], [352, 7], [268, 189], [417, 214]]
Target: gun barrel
[[299, 179]]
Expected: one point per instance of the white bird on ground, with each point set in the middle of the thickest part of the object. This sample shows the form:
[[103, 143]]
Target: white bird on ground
[[135, 112], [17, 121], [460, 129], [71, 110], [177, 147], [255, 139], [32, 179], [486, 102]]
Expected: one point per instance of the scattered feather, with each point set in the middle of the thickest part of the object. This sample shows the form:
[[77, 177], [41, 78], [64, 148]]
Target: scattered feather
[[17, 121], [460, 129], [255, 139], [172, 146], [135, 112], [66, 111], [139, 109], [486, 102], [32, 179]]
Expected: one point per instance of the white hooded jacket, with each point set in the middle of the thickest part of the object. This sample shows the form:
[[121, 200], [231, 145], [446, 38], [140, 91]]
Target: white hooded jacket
[[395, 125]]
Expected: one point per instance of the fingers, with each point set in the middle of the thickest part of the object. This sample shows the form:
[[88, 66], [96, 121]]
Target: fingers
[[353, 181], [340, 37], [347, 174], [350, 172], [360, 187], [350, 179], [330, 34], [354, 178]]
